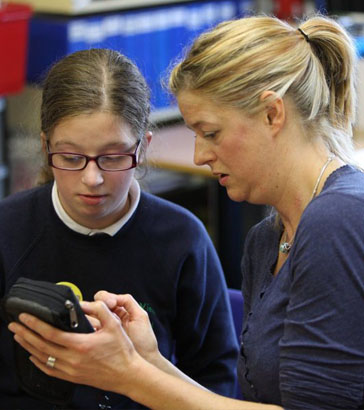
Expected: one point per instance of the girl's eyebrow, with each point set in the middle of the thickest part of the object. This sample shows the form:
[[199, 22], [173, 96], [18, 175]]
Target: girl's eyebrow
[[119, 145]]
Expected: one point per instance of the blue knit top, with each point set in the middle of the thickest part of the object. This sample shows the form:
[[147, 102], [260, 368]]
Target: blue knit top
[[303, 331]]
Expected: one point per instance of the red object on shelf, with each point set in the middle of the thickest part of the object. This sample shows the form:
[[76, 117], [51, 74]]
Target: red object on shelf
[[14, 19], [288, 9]]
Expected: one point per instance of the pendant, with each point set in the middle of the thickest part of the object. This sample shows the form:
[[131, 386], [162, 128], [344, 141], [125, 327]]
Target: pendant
[[285, 247]]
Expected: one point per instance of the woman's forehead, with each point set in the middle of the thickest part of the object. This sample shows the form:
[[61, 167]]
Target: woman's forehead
[[199, 110]]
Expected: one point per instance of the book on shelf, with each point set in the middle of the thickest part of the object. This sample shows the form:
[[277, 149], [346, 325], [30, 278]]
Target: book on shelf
[[152, 38]]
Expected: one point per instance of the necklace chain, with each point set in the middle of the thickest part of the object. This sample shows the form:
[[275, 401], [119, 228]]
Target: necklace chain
[[286, 246]]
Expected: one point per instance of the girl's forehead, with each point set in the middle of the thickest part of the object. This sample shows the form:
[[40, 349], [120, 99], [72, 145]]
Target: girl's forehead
[[87, 120], [95, 128]]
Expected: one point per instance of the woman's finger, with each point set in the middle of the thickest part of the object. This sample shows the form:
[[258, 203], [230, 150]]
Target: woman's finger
[[125, 306], [56, 371], [98, 310], [41, 355], [110, 299], [43, 351], [134, 310], [101, 313], [34, 343], [95, 323]]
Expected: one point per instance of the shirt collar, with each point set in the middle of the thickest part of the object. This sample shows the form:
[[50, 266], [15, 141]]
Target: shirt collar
[[111, 230]]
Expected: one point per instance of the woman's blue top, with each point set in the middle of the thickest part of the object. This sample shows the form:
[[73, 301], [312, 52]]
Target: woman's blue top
[[303, 332]]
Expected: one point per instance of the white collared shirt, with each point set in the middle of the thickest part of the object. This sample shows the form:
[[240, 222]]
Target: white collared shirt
[[134, 196]]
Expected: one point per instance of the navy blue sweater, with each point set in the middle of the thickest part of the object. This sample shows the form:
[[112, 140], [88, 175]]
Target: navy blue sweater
[[303, 334], [162, 256]]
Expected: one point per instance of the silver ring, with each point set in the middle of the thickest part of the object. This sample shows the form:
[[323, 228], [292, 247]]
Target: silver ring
[[51, 362]]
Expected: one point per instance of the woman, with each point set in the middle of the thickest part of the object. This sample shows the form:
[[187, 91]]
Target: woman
[[272, 107], [92, 227]]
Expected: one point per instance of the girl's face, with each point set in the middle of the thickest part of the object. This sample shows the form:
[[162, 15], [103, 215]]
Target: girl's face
[[235, 146], [93, 197]]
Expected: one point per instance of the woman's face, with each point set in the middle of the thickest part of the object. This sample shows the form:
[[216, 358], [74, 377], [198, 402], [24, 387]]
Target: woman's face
[[93, 197], [236, 147]]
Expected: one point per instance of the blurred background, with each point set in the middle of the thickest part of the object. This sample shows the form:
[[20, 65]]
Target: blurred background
[[36, 33]]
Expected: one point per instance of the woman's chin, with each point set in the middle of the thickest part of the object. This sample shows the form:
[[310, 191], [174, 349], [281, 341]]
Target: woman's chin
[[235, 195]]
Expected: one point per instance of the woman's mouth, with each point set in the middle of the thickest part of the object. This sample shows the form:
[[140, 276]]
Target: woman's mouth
[[223, 179]]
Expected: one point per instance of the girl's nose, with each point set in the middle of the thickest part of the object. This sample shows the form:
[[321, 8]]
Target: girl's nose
[[92, 175]]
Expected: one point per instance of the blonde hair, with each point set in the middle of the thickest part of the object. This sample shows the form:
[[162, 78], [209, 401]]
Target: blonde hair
[[235, 62]]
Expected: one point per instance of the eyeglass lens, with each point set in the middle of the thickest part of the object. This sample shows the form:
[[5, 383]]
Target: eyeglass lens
[[105, 162]]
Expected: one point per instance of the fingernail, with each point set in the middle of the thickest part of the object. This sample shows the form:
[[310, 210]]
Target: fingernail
[[84, 304], [12, 327], [24, 318]]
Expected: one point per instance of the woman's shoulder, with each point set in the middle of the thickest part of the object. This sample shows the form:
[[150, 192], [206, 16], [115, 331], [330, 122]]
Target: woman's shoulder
[[347, 180], [341, 200], [333, 220]]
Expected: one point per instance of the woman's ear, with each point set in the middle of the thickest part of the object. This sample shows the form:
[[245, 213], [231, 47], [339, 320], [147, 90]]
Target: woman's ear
[[274, 110], [148, 137]]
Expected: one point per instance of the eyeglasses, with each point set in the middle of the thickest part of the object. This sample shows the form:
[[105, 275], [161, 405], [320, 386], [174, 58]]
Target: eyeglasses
[[70, 161]]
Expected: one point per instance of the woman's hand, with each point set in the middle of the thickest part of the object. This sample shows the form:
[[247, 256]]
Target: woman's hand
[[105, 359], [135, 321]]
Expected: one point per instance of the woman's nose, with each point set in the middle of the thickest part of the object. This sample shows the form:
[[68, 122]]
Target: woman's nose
[[203, 154], [92, 175]]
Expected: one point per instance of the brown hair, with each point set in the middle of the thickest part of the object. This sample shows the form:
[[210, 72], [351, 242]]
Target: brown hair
[[235, 62], [94, 80]]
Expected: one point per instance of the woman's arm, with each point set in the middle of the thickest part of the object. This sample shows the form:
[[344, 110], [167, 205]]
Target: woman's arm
[[107, 359], [135, 322]]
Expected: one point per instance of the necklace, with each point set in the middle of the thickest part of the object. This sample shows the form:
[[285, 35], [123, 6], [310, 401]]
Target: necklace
[[286, 246]]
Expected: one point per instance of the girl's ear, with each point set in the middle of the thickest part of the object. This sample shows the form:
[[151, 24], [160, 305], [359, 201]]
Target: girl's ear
[[43, 141]]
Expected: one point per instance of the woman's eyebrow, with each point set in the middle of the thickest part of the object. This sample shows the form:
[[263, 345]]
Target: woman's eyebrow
[[199, 124]]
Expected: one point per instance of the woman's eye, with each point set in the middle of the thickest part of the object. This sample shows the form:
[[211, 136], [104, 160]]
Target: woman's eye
[[201, 134]]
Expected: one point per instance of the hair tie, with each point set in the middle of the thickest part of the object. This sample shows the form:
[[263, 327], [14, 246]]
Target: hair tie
[[304, 35]]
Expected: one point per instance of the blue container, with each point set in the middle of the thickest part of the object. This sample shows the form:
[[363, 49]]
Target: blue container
[[359, 42], [152, 38]]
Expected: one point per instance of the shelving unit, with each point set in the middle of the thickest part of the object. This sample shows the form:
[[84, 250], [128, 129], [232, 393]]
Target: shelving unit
[[151, 36], [78, 7]]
